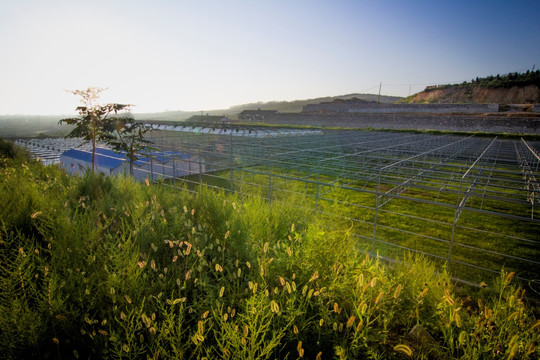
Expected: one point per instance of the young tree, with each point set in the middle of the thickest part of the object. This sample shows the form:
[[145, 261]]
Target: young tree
[[129, 139], [95, 122]]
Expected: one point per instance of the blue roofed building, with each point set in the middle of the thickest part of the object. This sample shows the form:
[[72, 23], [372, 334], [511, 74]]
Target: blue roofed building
[[76, 161], [153, 165]]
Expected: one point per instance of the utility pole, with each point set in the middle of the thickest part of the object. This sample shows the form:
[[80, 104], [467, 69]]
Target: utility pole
[[379, 97], [410, 90]]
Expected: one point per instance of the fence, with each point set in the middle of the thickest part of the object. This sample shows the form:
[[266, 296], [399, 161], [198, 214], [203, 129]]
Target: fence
[[469, 203]]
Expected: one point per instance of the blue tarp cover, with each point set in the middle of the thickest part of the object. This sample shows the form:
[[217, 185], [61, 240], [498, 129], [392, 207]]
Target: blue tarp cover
[[111, 160], [104, 157]]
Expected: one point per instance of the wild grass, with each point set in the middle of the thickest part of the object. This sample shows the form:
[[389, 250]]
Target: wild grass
[[99, 267]]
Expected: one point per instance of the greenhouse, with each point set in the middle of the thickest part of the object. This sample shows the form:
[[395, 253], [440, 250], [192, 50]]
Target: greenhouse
[[470, 203]]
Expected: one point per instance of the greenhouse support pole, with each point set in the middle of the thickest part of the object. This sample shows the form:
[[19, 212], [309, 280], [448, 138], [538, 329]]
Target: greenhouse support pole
[[377, 194]]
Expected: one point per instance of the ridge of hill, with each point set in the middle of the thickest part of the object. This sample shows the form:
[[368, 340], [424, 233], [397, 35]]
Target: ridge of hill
[[294, 106], [297, 105], [512, 88]]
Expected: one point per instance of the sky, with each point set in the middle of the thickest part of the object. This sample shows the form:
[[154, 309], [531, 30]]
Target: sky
[[212, 54]]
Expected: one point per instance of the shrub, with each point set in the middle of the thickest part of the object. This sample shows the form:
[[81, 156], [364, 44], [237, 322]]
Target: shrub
[[9, 150]]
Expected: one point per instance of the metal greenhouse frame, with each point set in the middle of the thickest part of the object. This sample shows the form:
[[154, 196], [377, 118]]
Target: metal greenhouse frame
[[469, 203]]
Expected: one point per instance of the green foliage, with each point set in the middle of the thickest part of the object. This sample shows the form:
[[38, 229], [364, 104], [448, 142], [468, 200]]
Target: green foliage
[[94, 187], [9, 150], [21, 298], [505, 81], [103, 122], [97, 267], [253, 334], [129, 138], [510, 79]]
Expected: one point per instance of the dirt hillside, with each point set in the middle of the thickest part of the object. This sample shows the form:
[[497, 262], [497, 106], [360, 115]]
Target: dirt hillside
[[529, 94]]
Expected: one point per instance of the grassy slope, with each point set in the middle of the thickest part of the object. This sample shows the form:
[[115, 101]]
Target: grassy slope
[[98, 267]]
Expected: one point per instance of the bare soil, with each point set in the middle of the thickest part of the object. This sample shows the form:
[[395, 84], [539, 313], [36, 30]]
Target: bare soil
[[529, 94]]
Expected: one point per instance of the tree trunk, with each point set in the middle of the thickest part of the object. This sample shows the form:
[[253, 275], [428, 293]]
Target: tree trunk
[[93, 153], [93, 124], [131, 159]]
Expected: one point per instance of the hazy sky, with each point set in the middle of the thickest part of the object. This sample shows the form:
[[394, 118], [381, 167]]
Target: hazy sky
[[200, 55]]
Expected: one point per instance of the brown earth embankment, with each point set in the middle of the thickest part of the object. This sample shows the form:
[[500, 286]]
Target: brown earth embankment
[[529, 94]]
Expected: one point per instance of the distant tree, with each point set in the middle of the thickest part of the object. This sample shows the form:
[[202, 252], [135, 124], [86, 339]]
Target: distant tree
[[95, 122], [127, 136]]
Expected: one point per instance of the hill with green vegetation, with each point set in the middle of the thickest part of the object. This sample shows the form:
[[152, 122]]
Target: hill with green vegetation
[[104, 267], [509, 80], [512, 88]]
